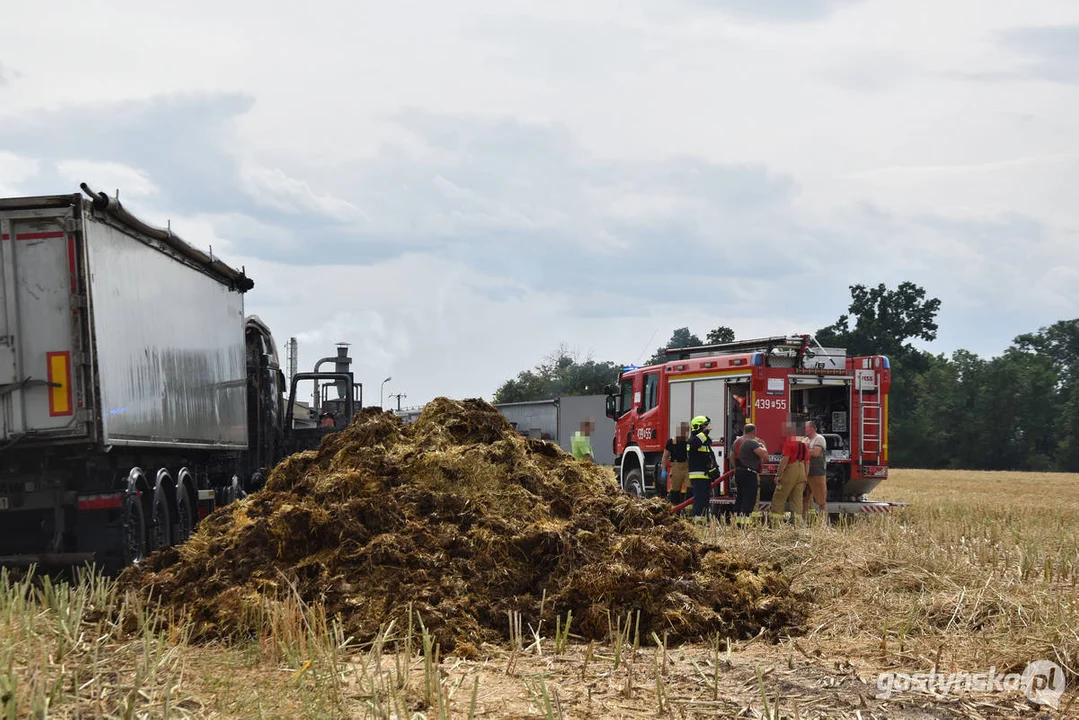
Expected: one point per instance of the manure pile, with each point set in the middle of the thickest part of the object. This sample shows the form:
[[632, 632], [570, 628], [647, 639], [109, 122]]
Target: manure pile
[[466, 520]]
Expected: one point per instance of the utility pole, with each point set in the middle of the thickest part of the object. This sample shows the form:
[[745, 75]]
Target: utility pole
[[398, 396]]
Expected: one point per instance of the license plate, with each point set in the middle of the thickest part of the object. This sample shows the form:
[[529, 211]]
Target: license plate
[[3, 503]]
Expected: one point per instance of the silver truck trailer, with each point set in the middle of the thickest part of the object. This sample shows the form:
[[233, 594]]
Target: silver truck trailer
[[559, 418], [134, 394]]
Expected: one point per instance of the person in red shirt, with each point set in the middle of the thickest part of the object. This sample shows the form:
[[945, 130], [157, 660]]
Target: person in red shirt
[[791, 476]]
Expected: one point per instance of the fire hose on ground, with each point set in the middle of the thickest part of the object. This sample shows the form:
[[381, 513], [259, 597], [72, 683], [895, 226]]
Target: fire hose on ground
[[686, 503]]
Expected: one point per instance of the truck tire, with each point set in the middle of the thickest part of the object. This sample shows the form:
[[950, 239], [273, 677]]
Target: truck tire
[[132, 542], [185, 516], [633, 482], [160, 527]]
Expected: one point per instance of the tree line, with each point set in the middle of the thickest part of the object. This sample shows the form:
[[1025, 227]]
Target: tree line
[[1015, 411]]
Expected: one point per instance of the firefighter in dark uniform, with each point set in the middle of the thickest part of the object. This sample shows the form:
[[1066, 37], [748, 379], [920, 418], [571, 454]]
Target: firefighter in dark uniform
[[702, 464]]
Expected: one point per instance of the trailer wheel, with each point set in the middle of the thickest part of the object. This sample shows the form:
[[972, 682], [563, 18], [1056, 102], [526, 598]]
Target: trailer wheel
[[160, 522], [132, 530], [233, 491], [633, 482], [185, 516]]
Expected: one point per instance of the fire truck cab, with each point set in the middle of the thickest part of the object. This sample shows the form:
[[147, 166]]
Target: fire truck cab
[[767, 381]]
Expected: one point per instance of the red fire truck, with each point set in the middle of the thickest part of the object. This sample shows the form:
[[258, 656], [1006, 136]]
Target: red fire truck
[[766, 381]]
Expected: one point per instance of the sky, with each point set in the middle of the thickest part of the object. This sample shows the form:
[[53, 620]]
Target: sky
[[459, 189]]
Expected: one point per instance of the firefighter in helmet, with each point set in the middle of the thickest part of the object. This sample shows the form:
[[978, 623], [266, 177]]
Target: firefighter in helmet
[[702, 463]]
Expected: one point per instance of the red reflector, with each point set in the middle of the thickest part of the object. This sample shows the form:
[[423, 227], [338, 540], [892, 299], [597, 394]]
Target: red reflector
[[101, 502]]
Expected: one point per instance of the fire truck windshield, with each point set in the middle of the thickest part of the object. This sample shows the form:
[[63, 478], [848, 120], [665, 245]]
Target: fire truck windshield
[[625, 401]]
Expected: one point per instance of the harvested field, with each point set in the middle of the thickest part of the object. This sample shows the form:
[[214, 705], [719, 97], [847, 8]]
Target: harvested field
[[979, 572], [468, 524]]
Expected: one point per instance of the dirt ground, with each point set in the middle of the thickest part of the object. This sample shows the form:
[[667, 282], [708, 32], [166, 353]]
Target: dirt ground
[[788, 680]]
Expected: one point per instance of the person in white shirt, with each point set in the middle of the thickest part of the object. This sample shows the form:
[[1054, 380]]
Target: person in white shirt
[[816, 482]]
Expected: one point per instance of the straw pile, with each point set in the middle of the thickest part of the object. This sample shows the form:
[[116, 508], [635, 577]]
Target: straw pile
[[466, 520]]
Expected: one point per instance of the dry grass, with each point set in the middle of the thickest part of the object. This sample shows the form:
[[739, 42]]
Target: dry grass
[[85, 650], [982, 570]]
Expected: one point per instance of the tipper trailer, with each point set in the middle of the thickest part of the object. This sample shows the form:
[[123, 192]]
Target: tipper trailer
[[135, 396]]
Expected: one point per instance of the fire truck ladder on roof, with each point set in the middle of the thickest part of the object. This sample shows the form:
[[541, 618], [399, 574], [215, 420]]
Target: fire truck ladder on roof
[[869, 423], [765, 345]]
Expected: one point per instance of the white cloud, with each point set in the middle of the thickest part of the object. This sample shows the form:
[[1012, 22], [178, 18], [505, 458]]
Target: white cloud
[[274, 188], [458, 188], [427, 322], [14, 170], [107, 177]]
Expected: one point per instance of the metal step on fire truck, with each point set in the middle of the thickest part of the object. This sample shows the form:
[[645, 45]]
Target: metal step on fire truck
[[766, 381]]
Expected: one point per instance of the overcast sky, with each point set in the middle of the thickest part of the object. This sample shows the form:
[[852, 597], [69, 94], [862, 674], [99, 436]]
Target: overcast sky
[[456, 188]]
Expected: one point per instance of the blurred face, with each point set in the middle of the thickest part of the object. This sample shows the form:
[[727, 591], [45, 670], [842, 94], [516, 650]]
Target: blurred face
[[811, 429]]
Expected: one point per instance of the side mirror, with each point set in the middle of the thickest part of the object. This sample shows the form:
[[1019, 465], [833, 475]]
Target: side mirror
[[611, 406]]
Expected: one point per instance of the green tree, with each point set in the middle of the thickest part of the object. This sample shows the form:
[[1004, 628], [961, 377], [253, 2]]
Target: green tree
[[884, 321], [561, 373], [969, 429], [1066, 457], [680, 338], [1015, 408], [1058, 344], [928, 440], [721, 334], [996, 414]]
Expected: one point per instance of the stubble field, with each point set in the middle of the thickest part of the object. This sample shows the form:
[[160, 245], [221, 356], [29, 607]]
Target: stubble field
[[980, 572]]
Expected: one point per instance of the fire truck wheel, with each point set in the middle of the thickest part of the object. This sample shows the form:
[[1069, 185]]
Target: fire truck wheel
[[633, 482]]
